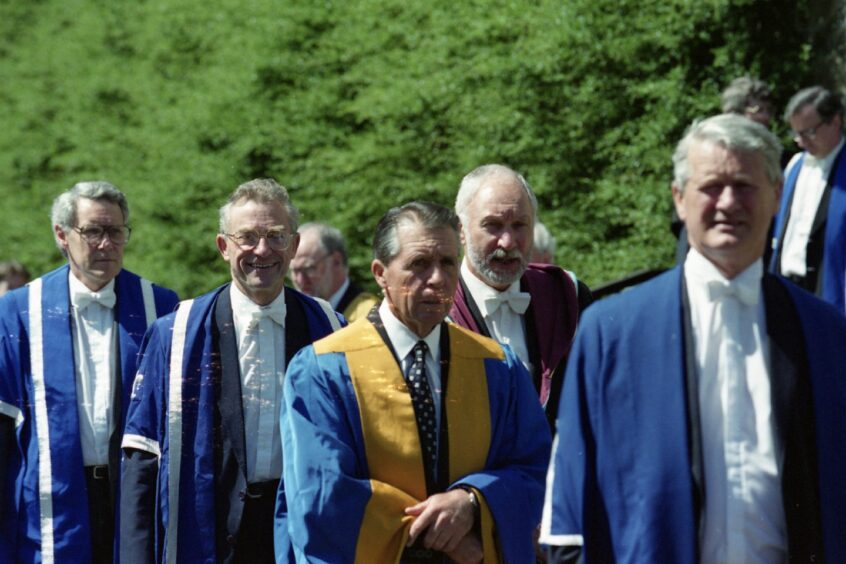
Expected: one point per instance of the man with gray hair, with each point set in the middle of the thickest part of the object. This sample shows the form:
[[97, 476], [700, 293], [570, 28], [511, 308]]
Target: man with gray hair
[[810, 234], [702, 417], [750, 97], [534, 308], [320, 269], [203, 456], [408, 439], [68, 352]]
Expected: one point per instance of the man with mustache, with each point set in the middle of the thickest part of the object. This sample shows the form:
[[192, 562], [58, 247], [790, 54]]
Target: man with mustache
[[406, 438], [534, 308], [69, 342], [203, 456]]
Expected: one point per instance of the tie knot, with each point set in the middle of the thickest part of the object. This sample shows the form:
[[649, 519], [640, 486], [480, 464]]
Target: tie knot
[[420, 349], [275, 312], [105, 298], [517, 301], [746, 293]]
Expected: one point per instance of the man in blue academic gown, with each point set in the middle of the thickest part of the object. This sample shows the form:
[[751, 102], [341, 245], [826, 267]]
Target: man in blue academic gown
[[703, 415], [203, 455], [68, 348], [406, 438], [810, 242]]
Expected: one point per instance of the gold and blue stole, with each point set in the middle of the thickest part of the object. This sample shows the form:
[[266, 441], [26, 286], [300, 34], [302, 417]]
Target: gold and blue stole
[[390, 435]]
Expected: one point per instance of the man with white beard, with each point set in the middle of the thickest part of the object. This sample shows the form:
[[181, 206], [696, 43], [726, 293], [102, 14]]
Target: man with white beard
[[534, 308]]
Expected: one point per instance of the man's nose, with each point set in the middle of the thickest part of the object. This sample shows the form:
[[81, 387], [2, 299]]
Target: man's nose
[[262, 247], [728, 198], [506, 239]]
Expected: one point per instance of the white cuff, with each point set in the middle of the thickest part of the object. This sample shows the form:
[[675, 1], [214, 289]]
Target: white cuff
[[141, 443], [10, 410]]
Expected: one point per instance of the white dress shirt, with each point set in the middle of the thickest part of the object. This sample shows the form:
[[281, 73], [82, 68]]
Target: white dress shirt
[[95, 359], [260, 333], [743, 516], [403, 341], [504, 324], [807, 195], [335, 298]]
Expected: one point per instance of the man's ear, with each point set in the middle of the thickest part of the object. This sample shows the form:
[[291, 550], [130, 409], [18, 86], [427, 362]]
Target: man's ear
[[678, 200], [378, 270], [222, 246], [61, 237]]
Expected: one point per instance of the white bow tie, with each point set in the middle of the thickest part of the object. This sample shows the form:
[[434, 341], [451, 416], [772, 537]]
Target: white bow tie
[[276, 312], [518, 301], [83, 299], [746, 293]]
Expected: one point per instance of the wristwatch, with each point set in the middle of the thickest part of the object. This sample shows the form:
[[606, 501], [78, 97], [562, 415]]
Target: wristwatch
[[474, 501]]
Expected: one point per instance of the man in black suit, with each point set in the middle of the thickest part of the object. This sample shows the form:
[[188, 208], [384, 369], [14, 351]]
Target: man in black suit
[[320, 269]]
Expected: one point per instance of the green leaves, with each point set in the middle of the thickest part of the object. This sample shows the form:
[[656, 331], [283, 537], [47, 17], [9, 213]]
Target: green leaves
[[362, 105]]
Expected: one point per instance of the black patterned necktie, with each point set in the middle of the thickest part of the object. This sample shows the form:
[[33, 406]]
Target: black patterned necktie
[[424, 408]]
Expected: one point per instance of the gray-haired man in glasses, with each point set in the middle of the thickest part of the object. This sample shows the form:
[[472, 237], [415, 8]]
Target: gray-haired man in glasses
[[69, 344], [203, 455], [810, 235]]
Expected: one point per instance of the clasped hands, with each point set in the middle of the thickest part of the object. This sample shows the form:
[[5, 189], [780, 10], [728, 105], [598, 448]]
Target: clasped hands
[[444, 522]]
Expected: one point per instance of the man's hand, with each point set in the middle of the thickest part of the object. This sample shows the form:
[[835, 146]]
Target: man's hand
[[468, 551], [446, 519]]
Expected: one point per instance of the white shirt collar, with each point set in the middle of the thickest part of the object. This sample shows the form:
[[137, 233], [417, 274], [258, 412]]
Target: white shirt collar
[[76, 287], [699, 272], [403, 339], [243, 307], [335, 298], [479, 290]]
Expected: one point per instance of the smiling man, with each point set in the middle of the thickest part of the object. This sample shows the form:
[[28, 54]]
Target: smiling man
[[702, 417], [534, 308], [68, 352], [202, 435], [406, 438], [810, 243]]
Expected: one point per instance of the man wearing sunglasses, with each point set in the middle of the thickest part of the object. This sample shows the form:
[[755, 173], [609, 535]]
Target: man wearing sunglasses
[[203, 455], [810, 242], [68, 353]]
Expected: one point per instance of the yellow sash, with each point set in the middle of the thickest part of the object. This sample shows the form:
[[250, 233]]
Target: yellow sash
[[389, 428]]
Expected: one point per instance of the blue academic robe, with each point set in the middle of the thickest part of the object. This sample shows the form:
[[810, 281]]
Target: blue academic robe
[[175, 415], [45, 513], [352, 451], [625, 478], [828, 231]]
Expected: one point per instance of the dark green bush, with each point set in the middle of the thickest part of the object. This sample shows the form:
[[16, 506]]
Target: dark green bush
[[358, 106]]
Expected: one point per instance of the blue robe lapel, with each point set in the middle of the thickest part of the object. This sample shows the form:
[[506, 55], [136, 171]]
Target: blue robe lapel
[[297, 333], [793, 413], [833, 264], [662, 385], [70, 510], [229, 398]]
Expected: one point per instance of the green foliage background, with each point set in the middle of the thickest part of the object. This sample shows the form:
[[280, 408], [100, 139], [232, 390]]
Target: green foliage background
[[361, 105]]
